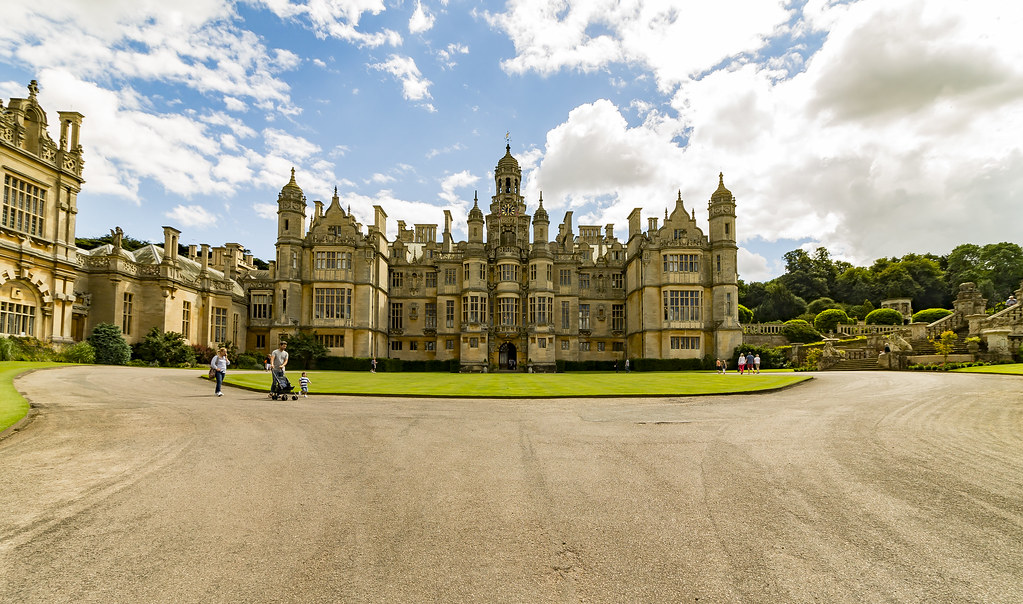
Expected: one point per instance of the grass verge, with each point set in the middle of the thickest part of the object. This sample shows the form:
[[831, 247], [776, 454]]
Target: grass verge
[[13, 406], [524, 385], [1008, 369]]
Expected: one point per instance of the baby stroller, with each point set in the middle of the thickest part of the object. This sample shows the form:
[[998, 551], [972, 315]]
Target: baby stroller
[[280, 387]]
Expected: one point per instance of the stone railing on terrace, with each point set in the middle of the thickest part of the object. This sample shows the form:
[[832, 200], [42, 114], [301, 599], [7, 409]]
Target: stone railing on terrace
[[952, 322], [766, 329], [865, 330]]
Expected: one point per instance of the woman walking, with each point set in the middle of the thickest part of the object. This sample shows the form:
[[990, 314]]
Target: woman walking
[[218, 366]]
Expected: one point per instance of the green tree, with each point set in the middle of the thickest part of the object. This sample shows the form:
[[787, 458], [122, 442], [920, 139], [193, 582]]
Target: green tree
[[821, 304], [829, 320], [895, 281], [944, 344], [996, 268], [856, 284], [109, 344], [745, 315], [304, 346], [753, 294], [806, 276], [779, 304], [884, 316]]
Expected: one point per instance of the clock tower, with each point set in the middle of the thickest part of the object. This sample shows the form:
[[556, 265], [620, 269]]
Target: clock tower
[[508, 223]]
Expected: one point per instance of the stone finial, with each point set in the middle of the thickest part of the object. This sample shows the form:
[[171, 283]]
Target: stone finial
[[33, 89]]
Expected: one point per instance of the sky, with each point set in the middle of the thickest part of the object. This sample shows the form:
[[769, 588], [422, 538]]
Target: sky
[[874, 128]]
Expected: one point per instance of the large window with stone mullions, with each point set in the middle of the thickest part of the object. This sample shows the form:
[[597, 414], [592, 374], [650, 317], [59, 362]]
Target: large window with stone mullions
[[17, 319], [24, 208], [682, 305], [332, 303]]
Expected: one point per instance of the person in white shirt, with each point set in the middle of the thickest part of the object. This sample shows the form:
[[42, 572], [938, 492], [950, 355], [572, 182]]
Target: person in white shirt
[[279, 358]]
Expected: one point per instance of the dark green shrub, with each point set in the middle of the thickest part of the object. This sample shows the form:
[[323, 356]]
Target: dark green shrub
[[884, 316], [8, 349], [248, 360], [799, 331], [770, 358], [80, 352], [32, 349], [109, 344], [828, 320], [745, 315], [203, 354], [165, 348], [930, 315]]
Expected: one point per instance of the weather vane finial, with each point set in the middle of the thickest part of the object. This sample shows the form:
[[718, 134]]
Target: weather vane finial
[[507, 136]]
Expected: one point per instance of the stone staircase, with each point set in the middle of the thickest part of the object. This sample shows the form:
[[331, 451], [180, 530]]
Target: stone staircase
[[863, 364]]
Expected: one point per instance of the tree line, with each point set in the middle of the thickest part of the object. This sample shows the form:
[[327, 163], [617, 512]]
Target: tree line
[[816, 282]]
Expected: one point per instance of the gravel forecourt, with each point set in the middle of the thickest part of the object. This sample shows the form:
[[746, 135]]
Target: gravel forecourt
[[138, 485]]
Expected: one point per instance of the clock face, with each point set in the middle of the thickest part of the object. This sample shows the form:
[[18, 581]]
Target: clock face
[[508, 208]]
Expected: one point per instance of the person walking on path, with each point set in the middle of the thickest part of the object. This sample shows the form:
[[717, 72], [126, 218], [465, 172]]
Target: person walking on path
[[756, 363], [742, 363], [279, 358], [749, 362], [304, 383], [626, 365], [373, 365], [218, 365], [717, 365]]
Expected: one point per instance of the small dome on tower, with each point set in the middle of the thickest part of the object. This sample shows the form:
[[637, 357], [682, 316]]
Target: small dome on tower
[[721, 194], [541, 214], [507, 162], [291, 190], [476, 213]]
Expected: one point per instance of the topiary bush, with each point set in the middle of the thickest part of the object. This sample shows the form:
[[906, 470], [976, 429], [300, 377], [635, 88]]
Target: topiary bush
[[930, 315], [799, 331], [109, 344], [884, 316], [828, 320]]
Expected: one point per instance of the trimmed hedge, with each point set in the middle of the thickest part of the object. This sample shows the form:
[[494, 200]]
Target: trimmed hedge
[[883, 316], [930, 315]]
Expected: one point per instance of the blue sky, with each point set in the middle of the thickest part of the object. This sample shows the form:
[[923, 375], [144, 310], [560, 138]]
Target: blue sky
[[872, 127]]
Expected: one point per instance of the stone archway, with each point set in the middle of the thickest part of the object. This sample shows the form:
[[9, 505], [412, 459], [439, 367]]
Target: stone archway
[[507, 356]]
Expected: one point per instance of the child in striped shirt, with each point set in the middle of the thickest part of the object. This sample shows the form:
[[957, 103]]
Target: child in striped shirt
[[304, 383]]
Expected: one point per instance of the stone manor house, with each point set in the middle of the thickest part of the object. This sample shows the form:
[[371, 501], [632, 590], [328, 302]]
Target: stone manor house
[[513, 295]]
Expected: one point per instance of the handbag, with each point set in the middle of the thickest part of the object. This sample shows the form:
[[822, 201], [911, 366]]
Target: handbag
[[213, 373]]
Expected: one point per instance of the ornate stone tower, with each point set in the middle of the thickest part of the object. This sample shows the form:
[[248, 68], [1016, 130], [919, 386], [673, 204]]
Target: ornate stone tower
[[509, 224], [291, 206], [724, 271]]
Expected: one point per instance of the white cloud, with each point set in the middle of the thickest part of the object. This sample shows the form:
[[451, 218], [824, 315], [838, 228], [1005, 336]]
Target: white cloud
[[192, 216], [899, 136], [234, 104], [674, 40], [453, 182], [448, 54], [414, 86], [753, 267], [337, 19], [421, 20], [266, 211], [281, 143]]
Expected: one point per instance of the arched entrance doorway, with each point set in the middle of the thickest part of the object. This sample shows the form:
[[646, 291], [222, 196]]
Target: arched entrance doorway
[[506, 357]]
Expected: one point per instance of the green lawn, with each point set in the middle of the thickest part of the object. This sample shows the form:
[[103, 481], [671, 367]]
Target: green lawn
[[13, 406], [1008, 369], [524, 385]]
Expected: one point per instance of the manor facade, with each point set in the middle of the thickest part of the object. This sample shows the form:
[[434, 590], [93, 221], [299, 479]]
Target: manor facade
[[512, 295]]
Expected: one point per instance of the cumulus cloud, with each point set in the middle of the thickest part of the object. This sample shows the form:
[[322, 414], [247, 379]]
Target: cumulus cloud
[[336, 19], [452, 183], [421, 20], [674, 40], [447, 55]]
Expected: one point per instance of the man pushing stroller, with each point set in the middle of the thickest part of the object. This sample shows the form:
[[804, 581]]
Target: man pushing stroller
[[278, 363]]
